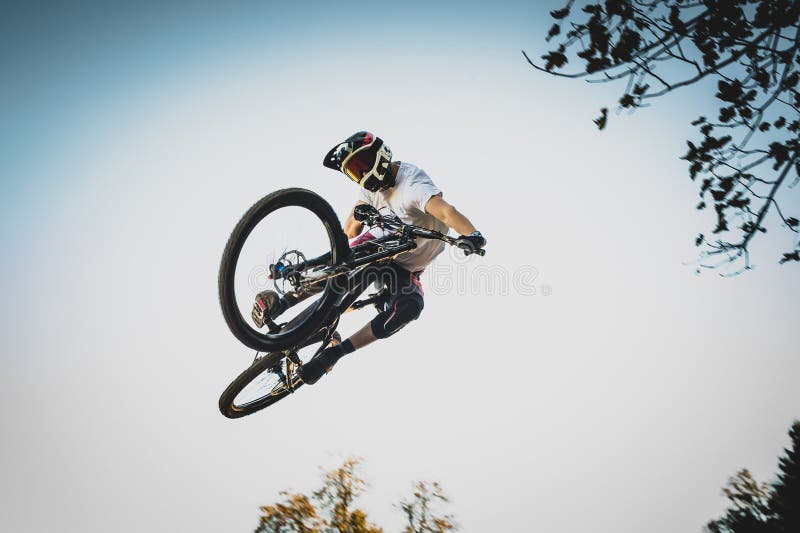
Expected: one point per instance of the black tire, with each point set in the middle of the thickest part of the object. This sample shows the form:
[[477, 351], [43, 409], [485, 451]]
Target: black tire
[[227, 401], [339, 247]]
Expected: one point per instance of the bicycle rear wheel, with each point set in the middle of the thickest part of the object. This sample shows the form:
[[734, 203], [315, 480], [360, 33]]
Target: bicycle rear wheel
[[264, 383], [294, 223]]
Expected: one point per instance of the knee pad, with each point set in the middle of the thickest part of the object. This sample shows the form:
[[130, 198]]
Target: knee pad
[[392, 320]]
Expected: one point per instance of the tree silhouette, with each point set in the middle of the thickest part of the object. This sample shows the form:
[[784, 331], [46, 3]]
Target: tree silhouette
[[761, 508], [747, 156], [332, 508], [421, 512], [785, 502]]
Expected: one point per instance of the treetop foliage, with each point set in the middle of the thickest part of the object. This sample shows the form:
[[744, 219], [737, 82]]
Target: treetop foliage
[[332, 508], [420, 510], [747, 156]]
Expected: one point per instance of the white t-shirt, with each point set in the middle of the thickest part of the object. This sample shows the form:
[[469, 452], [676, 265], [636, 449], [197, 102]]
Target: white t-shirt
[[407, 200]]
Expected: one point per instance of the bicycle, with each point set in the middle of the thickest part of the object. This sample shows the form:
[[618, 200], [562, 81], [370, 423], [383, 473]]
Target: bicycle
[[334, 277]]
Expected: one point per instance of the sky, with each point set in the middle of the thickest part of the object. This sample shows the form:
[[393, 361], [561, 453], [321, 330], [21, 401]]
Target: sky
[[610, 389]]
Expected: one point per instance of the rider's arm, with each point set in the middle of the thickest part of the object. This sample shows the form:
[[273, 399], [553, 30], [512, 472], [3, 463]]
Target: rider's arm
[[352, 227], [439, 208]]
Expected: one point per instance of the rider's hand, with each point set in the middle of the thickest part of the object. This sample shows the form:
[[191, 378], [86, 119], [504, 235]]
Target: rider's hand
[[471, 243], [363, 212]]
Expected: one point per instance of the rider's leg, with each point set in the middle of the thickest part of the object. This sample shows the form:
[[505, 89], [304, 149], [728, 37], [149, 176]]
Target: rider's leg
[[404, 308]]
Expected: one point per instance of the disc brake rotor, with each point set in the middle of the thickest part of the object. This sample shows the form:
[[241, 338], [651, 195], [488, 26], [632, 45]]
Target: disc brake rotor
[[288, 260]]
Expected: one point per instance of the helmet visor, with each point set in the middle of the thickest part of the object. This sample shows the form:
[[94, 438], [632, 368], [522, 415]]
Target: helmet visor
[[359, 164]]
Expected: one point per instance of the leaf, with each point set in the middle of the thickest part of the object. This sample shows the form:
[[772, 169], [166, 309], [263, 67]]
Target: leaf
[[762, 78], [628, 43], [602, 119], [781, 122], [726, 114], [676, 21], [764, 126], [639, 90], [692, 153], [597, 63], [739, 202], [718, 194], [555, 29], [792, 222], [793, 256], [700, 120], [729, 92], [791, 80], [779, 152], [710, 57], [627, 101], [716, 143], [694, 169], [560, 13], [554, 60]]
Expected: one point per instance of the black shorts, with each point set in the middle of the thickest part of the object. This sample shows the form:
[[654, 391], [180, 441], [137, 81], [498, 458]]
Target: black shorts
[[398, 282], [404, 297]]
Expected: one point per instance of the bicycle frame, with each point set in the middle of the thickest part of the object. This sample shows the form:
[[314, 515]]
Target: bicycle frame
[[404, 237], [361, 256]]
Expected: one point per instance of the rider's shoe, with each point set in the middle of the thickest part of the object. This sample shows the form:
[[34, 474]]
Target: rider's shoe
[[319, 365], [267, 305], [322, 363]]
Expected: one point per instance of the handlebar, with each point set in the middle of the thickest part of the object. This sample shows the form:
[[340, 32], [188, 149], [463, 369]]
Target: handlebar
[[373, 218], [417, 231]]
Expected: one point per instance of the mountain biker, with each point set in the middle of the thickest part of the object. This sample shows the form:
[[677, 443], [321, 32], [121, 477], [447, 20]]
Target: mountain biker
[[392, 187]]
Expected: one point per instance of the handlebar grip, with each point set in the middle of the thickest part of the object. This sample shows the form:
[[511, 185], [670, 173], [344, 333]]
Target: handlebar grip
[[480, 251], [469, 250]]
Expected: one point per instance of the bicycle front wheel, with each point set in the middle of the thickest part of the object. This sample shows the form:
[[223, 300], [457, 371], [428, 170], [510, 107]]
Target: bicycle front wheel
[[285, 227]]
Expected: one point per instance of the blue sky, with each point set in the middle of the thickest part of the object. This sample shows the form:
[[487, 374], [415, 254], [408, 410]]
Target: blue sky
[[134, 137]]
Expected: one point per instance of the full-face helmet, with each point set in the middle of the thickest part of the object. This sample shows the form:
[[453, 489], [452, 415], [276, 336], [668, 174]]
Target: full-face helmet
[[365, 159]]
